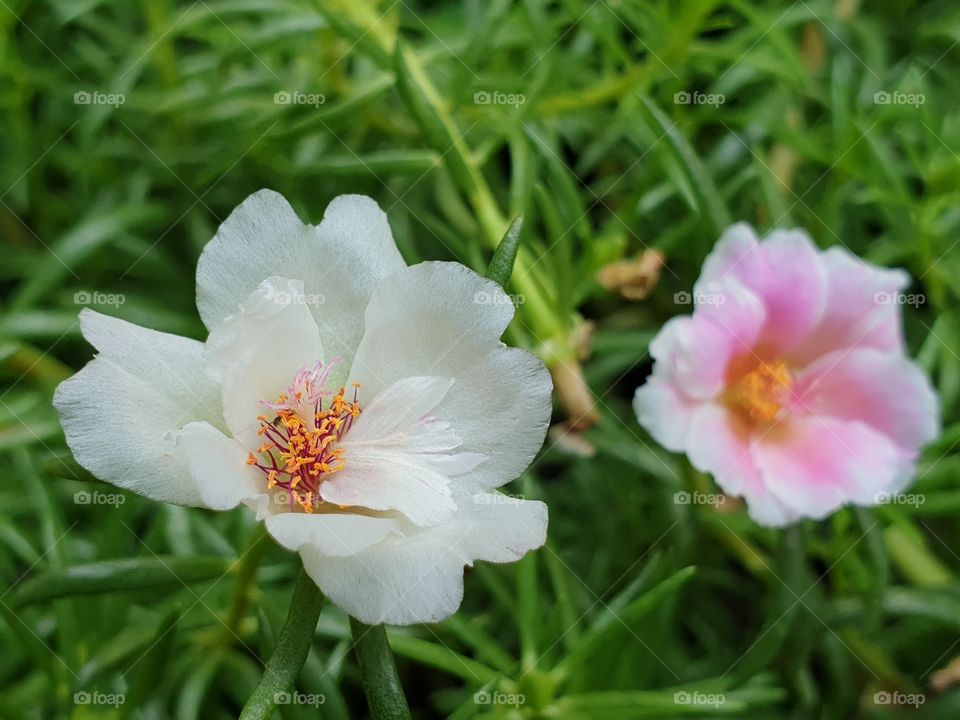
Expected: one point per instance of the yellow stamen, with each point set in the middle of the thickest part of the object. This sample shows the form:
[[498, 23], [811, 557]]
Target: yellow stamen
[[761, 393]]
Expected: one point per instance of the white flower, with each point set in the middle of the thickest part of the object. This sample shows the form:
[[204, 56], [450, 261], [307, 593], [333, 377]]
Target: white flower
[[366, 410]]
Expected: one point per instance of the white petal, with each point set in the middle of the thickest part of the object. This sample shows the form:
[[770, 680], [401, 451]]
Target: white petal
[[218, 465], [255, 353], [419, 578], [330, 534], [119, 410], [441, 319], [339, 262], [398, 457]]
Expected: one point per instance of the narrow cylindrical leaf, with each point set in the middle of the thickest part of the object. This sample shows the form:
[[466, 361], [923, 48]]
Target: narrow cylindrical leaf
[[290, 653], [381, 684], [113, 575]]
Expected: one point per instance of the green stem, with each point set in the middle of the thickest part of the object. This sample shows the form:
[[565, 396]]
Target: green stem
[[381, 684], [291, 650], [246, 572]]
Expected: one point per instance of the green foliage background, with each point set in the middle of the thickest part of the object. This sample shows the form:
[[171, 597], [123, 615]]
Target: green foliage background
[[610, 620]]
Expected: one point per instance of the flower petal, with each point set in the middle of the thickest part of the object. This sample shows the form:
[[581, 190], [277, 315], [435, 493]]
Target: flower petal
[[441, 319], [664, 413], [118, 411], [255, 353], [329, 534], [863, 308], [419, 578], [339, 262], [785, 271], [884, 390], [398, 457], [694, 352], [218, 465], [819, 464], [720, 446]]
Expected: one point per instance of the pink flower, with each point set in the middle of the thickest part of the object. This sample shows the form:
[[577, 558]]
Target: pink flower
[[790, 383]]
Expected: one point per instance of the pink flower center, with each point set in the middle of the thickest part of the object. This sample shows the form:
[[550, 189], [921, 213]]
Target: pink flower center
[[300, 437], [759, 394]]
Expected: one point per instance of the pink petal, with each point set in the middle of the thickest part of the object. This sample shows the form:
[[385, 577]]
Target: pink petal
[[862, 308], [785, 271], [720, 445], [736, 255], [818, 464], [886, 391], [694, 352], [664, 413]]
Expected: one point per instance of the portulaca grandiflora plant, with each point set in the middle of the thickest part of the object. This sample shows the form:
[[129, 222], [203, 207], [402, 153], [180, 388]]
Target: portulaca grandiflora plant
[[365, 410]]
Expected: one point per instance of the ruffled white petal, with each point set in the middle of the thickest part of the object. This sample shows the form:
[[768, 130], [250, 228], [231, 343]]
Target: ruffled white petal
[[339, 262], [441, 319], [119, 411], [255, 353], [398, 456], [419, 577], [330, 534], [218, 465]]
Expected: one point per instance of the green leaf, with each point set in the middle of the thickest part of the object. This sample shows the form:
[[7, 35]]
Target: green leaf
[[710, 204], [501, 264], [114, 575], [611, 623], [442, 133]]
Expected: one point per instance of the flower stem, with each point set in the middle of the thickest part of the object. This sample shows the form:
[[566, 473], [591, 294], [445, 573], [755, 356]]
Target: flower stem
[[246, 574], [379, 672], [291, 650]]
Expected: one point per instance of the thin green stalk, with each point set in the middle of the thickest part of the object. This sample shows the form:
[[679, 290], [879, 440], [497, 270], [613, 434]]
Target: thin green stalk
[[290, 652], [246, 570], [381, 684]]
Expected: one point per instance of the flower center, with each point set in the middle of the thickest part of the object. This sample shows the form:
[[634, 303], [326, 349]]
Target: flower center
[[761, 393], [300, 437]]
